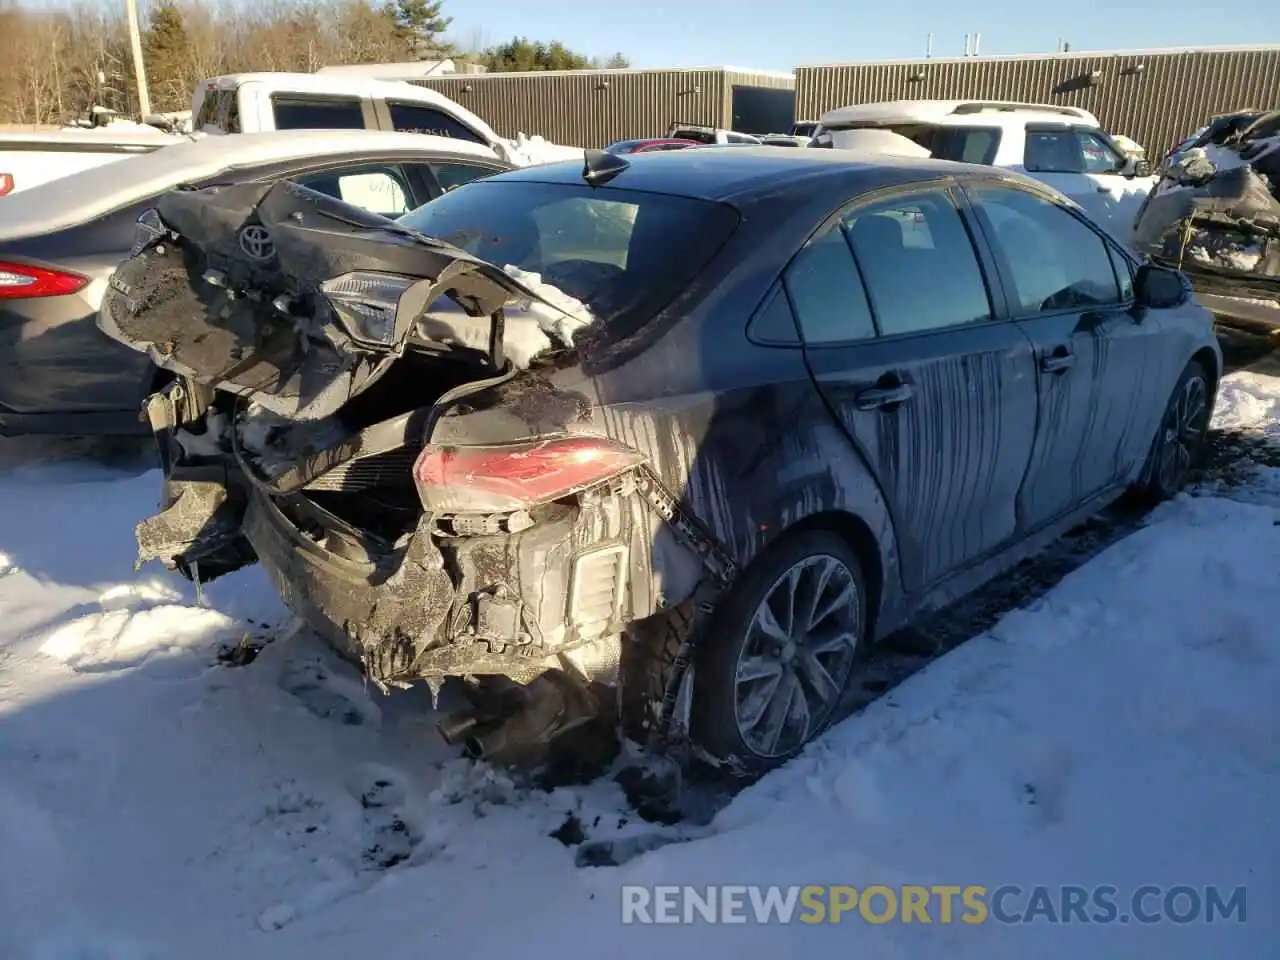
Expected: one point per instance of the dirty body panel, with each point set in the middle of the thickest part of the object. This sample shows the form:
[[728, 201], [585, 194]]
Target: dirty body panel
[[445, 511], [1216, 217]]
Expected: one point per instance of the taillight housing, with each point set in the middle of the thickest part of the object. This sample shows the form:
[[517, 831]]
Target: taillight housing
[[516, 476], [19, 280], [6, 184]]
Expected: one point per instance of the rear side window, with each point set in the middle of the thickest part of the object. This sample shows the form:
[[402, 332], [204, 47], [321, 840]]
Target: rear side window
[[1054, 261], [826, 293], [417, 118], [919, 264], [317, 113]]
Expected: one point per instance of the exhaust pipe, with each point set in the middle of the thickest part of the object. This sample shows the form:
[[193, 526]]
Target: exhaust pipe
[[456, 727]]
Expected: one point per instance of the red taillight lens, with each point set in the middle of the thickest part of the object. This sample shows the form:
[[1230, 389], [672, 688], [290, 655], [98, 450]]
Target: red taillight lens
[[6, 183], [20, 280], [515, 476]]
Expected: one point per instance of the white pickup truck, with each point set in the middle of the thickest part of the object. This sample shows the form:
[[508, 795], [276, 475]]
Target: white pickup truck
[[261, 102]]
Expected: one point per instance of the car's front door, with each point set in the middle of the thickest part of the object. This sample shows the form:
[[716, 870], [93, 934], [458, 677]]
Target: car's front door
[[1085, 166], [1071, 292], [936, 392]]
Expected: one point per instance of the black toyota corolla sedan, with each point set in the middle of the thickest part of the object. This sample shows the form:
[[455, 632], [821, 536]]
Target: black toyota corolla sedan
[[695, 427]]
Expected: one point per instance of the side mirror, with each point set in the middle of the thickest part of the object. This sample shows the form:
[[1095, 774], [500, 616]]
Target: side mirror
[[1158, 287], [1136, 167]]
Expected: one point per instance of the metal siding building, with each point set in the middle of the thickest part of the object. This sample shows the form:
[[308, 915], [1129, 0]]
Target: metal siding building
[[1156, 97], [592, 108]]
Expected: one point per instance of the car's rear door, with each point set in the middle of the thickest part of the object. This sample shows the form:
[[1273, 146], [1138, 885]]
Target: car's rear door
[[907, 344], [1070, 290]]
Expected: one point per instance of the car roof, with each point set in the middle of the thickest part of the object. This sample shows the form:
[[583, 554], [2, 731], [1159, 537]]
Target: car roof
[[738, 174], [99, 190], [1001, 113]]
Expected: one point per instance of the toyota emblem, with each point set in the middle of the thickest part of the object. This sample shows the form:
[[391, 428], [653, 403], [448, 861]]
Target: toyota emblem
[[257, 243]]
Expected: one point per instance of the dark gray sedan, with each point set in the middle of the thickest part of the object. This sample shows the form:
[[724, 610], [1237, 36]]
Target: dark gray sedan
[[703, 424], [60, 241]]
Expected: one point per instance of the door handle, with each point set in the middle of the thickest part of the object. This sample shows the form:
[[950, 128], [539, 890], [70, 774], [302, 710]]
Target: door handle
[[877, 398], [1058, 361]]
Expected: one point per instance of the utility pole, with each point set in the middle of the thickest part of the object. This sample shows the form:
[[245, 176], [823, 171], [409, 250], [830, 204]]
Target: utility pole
[[139, 68]]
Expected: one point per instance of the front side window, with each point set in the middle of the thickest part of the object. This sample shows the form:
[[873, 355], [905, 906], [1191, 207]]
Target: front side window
[[417, 118], [919, 264], [1054, 261], [378, 189], [318, 113], [1099, 157]]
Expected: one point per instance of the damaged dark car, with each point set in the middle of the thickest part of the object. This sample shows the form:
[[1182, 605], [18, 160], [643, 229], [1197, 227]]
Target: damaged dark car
[[662, 442], [1215, 215]]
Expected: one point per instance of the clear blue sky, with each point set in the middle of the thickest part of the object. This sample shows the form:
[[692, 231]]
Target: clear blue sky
[[779, 34]]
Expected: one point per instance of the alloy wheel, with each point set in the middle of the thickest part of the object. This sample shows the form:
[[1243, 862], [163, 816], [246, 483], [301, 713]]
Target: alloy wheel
[[794, 663], [1182, 433]]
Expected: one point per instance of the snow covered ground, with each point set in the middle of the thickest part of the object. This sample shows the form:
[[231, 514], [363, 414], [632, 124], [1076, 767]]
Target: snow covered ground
[[156, 804]]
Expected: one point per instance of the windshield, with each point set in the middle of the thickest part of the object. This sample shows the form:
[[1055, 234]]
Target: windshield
[[625, 255]]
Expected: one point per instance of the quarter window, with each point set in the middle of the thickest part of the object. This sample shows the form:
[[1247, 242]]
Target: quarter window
[[826, 293], [1054, 261], [919, 264]]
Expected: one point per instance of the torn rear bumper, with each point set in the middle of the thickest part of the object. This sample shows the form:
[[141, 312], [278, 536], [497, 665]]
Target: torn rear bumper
[[513, 603]]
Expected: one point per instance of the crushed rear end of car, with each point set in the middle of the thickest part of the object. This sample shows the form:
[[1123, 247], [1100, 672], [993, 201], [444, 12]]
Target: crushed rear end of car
[[398, 432], [331, 368], [1215, 215]]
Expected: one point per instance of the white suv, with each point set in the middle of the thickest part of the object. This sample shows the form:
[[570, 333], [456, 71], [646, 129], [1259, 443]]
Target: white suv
[[1065, 147]]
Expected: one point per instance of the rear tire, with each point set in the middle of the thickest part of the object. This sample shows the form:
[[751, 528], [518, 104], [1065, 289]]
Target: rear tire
[[780, 650], [1179, 443]]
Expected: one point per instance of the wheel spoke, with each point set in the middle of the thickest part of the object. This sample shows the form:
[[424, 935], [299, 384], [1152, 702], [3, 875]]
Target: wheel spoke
[[758, 668], [752, 707], [820, 681], [845, 597], [778, 711], [839, 639], [768, 624]]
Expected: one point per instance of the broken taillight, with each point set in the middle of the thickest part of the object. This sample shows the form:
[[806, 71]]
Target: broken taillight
[[6, 183], [20, 280], [501, 479]]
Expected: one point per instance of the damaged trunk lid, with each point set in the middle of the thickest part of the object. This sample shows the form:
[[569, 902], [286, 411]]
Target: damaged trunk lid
[[294, 299], [308, 313]]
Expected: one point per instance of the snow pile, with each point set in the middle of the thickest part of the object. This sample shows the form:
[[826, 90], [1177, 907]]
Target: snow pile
[[156, 804], [527, 151]]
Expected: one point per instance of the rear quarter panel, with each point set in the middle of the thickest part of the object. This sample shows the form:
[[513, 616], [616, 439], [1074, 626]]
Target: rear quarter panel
[[737, 431]]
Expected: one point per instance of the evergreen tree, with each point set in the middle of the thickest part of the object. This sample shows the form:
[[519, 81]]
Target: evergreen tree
[[167, 54], [420, 24]]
